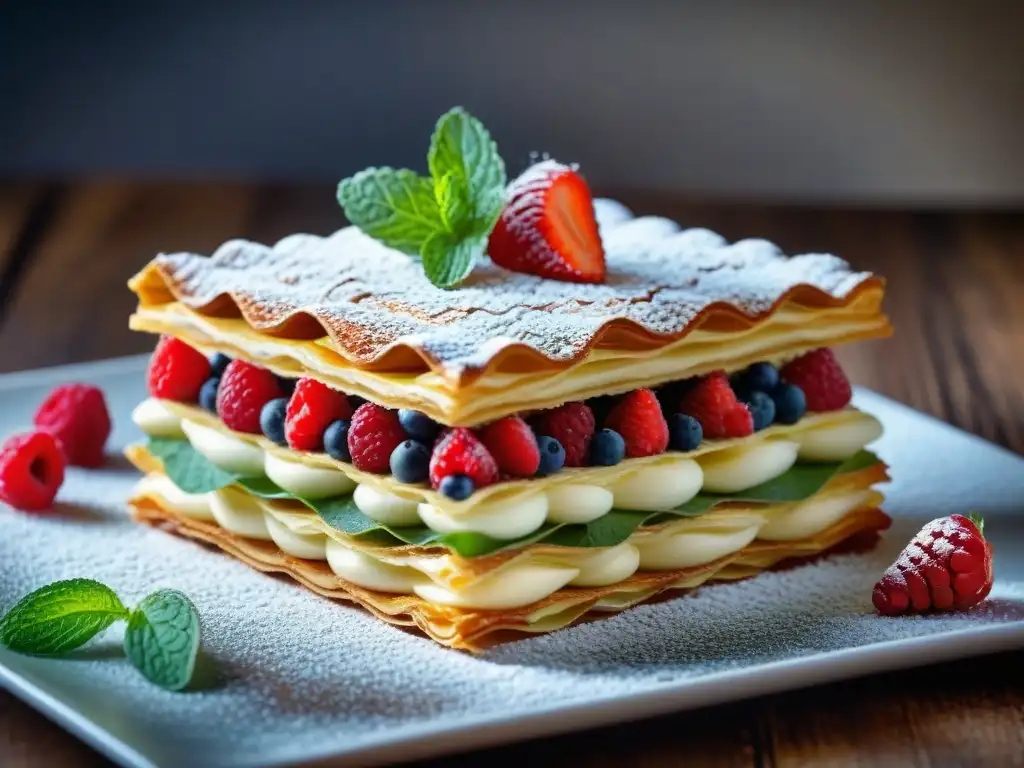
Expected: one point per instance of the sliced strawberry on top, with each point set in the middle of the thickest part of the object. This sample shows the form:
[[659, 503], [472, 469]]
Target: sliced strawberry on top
[[548, 227]]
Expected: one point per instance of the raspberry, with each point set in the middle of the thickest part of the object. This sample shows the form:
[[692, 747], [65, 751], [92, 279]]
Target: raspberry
[[573, 426], [946, 566], [712, 402], [373, 434], [513, 446], [639, 420], [820, 376], [31, 471], [461, 453], [244, 390], [176, 371], [76, 415], [311, 409]]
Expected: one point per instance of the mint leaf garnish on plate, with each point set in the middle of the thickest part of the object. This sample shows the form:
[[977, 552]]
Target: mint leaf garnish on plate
[[445, 219], [60, 617], [162, 639]]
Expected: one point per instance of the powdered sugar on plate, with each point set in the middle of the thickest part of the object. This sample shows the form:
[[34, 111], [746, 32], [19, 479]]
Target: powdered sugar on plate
[[296, 676]]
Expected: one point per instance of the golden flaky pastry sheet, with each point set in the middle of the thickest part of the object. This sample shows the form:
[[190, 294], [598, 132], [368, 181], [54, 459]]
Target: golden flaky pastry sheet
[[472, 630], [373, 308]]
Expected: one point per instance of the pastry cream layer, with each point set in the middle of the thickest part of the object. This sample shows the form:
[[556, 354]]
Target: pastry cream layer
[[515, 579], [791, 330], [572, 496]]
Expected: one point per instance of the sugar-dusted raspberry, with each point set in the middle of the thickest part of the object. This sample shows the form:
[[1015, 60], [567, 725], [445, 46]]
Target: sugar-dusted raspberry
[[513, 445], [573, 426], [461, 453], [31, 471], [947, 566], [821, 378], [176, 371], [244, 390], [712, 402], [638, 418], [312, 407], [77, 416], [373, 433]]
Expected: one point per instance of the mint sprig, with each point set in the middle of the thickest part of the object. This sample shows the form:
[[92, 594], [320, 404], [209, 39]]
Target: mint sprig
[[445, 219], [161, 640]]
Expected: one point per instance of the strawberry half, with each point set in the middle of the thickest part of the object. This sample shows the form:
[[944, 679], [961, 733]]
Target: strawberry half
[[548, 227]]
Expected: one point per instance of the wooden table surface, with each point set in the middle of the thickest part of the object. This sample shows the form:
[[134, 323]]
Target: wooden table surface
[[956, 297]]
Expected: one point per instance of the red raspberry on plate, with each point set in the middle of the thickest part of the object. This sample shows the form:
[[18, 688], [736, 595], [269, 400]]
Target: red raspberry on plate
[[513, 446], [712, 402], [638, 418], [176, 371], [311, 409], [461, 453], [76, 414], [947, 566], [820, 376], [372, 435], [31, 471], [548, 227], [244, 390], [573, 426]]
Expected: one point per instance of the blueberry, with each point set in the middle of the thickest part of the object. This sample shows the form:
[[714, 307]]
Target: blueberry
[[607, 448], [760, 377], [418, 425], [218, 363], [762, 408], [684, 432], [336, 440], [272, 420], [410, 462], [790, 403], [208, 394], [552, 455], [456, 487]]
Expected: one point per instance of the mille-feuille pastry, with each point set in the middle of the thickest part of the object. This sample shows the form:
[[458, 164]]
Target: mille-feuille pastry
[[602, 409]]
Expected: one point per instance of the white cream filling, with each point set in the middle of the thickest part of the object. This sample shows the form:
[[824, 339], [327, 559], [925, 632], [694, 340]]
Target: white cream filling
[[840, 442], [511, 587], [240, 513], [500, 520], [815, 514], [230, 453], [652, 487], [307, 482], [157, 420], [696, 542], [359, 568], [660, 487], [194, 505], [306, 546], [578, 503], [384, 507], [738, 469], [608, 566]]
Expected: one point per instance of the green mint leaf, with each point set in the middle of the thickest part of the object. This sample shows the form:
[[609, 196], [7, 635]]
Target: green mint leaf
[[447, 259], [462, 146], [189, 469], [979, 523], [60, 617], [162, 639], [453, 200], [396, 207]]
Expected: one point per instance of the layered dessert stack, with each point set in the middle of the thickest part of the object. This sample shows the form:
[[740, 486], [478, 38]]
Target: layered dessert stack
[[519, 452], [602, 409]]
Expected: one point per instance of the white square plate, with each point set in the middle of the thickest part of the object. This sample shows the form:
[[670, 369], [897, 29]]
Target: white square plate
[[300, 679]]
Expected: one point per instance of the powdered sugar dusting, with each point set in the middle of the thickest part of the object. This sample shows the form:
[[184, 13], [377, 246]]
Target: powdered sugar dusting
[[298, 675], [369, 298]]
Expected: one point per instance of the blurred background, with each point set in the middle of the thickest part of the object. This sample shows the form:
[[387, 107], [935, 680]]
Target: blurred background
[[875, 101]]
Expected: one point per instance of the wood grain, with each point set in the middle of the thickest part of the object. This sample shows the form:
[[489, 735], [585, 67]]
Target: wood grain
[[956, 297]]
